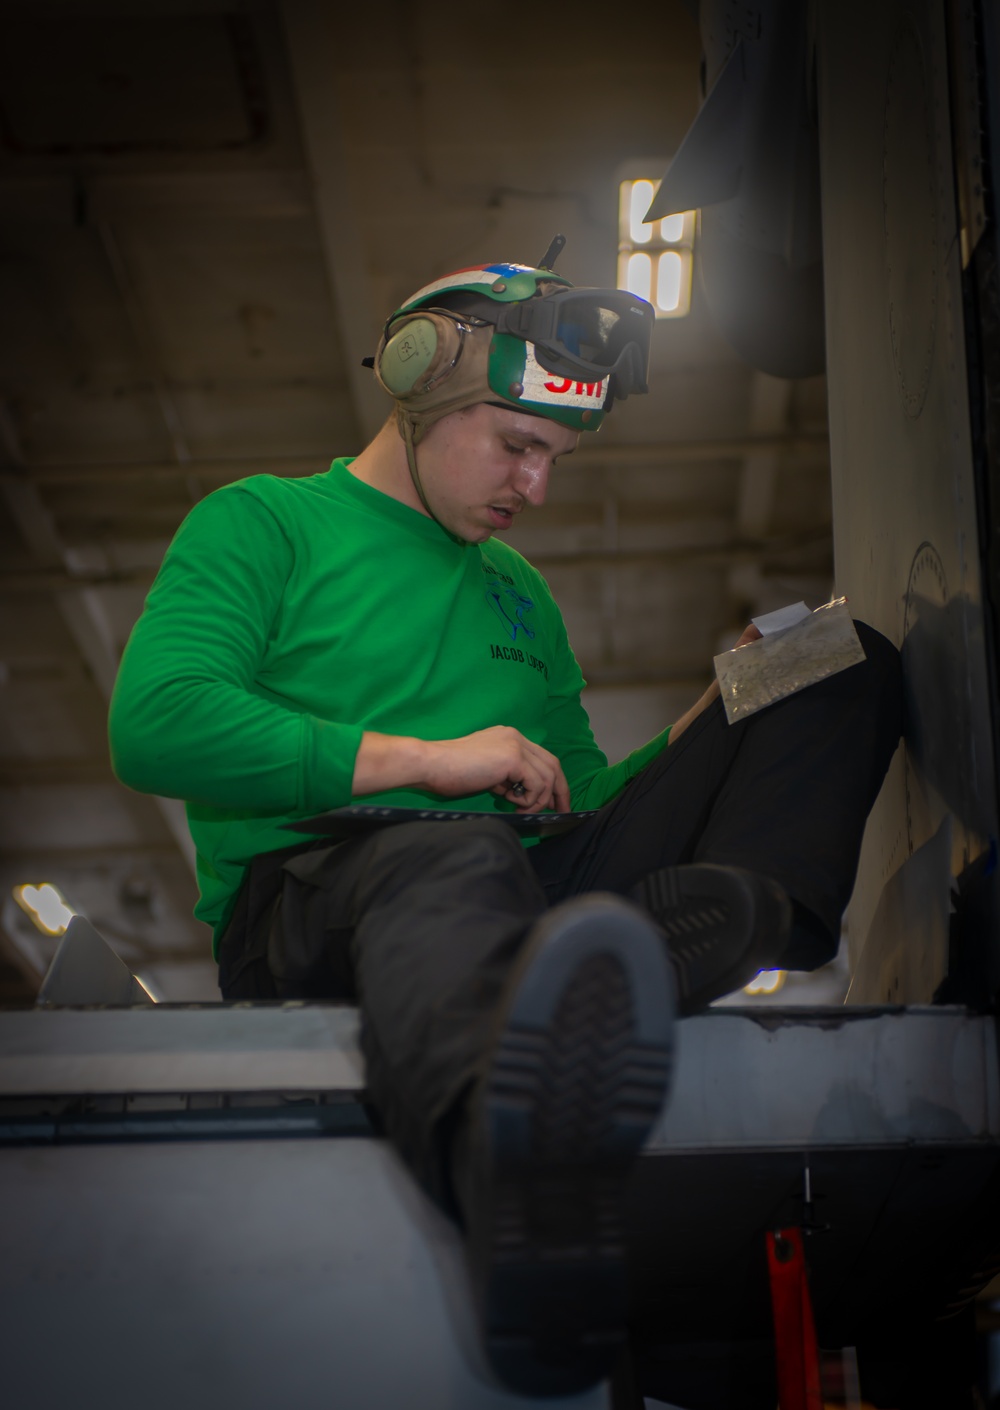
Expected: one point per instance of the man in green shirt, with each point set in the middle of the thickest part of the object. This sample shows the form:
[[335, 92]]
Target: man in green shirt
[[363, 636]]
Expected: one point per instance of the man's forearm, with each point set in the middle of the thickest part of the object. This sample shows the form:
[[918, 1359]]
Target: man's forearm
[[689, 716], [496, 760], [387, 761]]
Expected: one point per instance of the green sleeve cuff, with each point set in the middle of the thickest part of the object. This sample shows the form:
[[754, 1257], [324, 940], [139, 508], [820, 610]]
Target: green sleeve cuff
[[326, 761], [646, 753]]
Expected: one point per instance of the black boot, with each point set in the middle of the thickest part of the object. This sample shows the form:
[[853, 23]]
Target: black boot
[[722, 925], [578, 1073]]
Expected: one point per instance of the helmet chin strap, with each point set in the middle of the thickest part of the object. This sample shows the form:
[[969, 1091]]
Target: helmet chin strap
[[406, 431]]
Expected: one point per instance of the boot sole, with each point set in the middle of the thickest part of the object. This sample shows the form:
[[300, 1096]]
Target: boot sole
[[722, 925], [578, 1078]]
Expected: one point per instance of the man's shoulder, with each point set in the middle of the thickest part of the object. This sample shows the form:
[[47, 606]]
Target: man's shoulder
[[265, 510], [267, 498], [283, 490]]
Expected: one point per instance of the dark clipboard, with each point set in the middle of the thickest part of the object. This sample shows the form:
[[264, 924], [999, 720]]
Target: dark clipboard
[[357, 819]]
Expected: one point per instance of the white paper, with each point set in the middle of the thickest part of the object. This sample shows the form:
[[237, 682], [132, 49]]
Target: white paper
[[784, 617]]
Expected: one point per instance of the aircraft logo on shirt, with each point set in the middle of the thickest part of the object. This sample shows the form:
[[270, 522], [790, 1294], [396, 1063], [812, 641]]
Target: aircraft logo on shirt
[[510, 606]]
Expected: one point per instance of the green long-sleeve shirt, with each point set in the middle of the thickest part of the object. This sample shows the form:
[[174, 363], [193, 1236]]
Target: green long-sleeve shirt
[[288, 617]]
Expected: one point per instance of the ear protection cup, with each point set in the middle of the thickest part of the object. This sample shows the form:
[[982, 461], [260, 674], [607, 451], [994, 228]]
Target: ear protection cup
[[421, 349]]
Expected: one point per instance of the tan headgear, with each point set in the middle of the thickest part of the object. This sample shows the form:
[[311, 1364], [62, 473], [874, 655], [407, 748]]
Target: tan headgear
[[433, 363]]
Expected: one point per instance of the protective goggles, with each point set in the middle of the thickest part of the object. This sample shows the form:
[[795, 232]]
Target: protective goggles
[[585, 334]]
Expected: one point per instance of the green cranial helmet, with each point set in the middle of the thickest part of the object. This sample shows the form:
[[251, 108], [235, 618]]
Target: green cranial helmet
[[515, 336]]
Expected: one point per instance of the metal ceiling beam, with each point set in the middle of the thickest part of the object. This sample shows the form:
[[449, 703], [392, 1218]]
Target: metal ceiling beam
[[313, 30], [52, 200], [146, 348], [815, 448]]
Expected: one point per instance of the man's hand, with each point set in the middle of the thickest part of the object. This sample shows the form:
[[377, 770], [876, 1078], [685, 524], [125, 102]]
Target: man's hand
[[750, 633], [496, 760]]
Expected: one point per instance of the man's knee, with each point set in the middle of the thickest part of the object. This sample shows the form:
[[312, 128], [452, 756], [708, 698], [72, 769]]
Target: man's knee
[[882, 657], [882, 680]]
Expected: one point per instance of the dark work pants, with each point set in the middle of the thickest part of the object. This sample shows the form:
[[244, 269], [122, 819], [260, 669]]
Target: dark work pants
[[420, 922]]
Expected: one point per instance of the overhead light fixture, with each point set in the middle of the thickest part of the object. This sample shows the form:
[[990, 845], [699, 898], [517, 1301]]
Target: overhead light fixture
[[654, 260], [47, 907], [768, 981]]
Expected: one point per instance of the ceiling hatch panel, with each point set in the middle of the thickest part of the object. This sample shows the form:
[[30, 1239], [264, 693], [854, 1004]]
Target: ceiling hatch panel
[[129, 83], [239, 323]]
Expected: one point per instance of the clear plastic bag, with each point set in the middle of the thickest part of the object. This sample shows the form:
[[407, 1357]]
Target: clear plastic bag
[[783, 662]]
